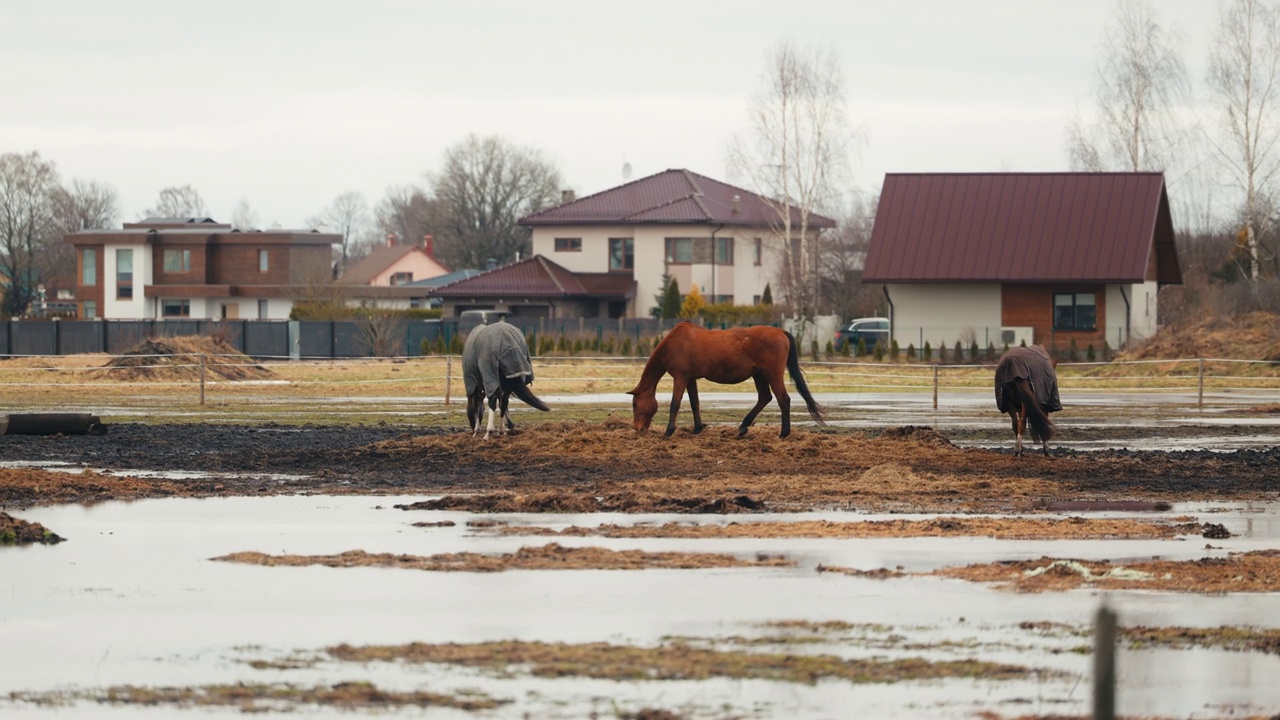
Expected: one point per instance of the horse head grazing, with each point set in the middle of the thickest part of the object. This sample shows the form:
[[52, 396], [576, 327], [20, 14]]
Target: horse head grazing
[[644, 405]]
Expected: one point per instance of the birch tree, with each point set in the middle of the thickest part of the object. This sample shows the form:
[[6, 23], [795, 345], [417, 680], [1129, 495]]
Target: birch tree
[[796, 156], [1244, 75], [1140, 84]]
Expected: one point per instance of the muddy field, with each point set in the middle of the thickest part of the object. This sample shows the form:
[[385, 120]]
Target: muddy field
[[581, 467]]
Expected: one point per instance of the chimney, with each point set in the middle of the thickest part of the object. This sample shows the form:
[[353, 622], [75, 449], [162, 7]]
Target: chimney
[[735, 203], [391, 239], [429, 244], [490, 264], [567, 196]]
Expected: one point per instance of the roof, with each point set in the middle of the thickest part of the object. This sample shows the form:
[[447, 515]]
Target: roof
[[537, 276], [1022, 227], [445, 279], [377, 261], [670, 197]]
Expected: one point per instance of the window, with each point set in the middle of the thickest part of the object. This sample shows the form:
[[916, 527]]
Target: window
[[88, 267], [759, 251], [262, 261], [1074, 311], [622, 254], [263, 308], [721, 299], [177, 261], [90, 309], [724, 251], [175, 308], [568, 244], [402, 278], [124, 274], [680, 251]]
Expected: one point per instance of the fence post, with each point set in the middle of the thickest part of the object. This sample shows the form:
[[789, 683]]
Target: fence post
[[935, 387], [202, 369], [1104, 664], [448, 372], [1200, 382]]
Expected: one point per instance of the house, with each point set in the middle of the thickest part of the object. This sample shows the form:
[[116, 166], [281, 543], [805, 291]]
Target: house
[[537, 287], [196, 268], [391, 274], [1004, 258], [701, 231]]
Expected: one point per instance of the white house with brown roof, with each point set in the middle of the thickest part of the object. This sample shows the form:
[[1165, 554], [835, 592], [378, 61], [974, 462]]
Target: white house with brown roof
[[1002, 258], [701, 231]]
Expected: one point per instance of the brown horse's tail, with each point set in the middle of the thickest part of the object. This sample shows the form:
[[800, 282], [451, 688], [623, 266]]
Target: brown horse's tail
[[1042, 427], [816, 411]]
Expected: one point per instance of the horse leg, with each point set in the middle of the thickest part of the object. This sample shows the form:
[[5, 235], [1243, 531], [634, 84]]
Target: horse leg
[[762, 399], [677, 392], [504, 400], [474, 401], [1021, 422], [693, 405], [779, 385], [490, 407]]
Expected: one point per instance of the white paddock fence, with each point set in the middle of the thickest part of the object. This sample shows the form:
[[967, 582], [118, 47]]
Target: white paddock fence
[[197, 385]]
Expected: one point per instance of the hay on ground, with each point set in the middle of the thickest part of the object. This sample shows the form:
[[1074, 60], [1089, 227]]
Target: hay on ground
[[179, 358]]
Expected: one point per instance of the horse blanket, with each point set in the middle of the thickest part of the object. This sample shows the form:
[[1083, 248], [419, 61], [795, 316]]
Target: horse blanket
[[491, 353], [1033, 365]]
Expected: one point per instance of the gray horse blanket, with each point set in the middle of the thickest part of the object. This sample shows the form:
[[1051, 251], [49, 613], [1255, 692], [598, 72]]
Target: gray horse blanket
[[491, 353], [1033, 365]]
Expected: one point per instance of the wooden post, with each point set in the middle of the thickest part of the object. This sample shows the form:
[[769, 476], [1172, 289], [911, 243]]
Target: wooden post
[[935, 387], [448, 372], [1200, 376], [202, 374], [1104, 664]]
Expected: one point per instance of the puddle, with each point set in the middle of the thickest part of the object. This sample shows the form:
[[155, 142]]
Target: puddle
[[132, 597]]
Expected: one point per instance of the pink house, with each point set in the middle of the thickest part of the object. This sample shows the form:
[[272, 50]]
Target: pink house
[[385, 275]]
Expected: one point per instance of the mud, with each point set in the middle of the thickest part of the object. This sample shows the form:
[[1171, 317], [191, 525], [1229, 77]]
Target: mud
[[581, 467], [16, 531], [547, 557]]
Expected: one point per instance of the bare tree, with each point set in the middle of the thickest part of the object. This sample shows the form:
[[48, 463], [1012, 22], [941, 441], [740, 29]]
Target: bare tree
[[406, 212], [1141, 83], [1244, 74], [348, 215], [178, 202], [28, 226], [486, 186], [79, 205], [796, 156], [243, 216], [844, 255]]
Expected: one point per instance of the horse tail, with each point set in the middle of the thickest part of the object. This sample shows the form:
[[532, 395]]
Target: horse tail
[[521, 390], [816, 411], [1042, 428]]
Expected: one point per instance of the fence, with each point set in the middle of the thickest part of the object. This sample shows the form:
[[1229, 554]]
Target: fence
[[413, 388]]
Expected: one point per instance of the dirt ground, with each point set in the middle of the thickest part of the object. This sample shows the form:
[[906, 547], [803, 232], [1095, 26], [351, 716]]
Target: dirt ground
[[590, 467]]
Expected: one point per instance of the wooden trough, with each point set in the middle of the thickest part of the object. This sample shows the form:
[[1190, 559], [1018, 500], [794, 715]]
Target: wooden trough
[[51, 424]]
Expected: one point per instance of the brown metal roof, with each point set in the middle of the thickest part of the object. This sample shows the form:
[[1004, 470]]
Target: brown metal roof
[[1022, 227], [537, 276], [669, 197]]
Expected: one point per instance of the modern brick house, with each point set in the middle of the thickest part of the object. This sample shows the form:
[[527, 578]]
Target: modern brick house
[[196, 268], [699, 230], [1002, 258]]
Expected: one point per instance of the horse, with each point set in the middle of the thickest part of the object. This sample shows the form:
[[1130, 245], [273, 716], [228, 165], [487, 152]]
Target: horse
[[689, 352], [1027, 389], [495, 366]]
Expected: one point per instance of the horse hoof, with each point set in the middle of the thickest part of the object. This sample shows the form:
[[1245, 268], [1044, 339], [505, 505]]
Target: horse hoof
[[699, 428]]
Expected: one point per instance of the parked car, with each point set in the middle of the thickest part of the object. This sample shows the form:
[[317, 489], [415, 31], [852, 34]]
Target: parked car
[[870, 331], [485, 317]]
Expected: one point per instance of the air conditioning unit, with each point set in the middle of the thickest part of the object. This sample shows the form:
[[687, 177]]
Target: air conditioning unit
[[1015, 336]]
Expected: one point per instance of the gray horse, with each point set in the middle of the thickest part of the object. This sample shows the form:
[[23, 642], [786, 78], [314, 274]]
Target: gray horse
[[495, 365]]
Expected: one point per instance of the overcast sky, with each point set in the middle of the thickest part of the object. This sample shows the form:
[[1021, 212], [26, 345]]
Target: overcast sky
[[287, 104]]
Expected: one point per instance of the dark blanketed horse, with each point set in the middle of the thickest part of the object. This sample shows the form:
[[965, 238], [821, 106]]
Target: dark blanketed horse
[[689, 353], [1027, 389], [495, 366]]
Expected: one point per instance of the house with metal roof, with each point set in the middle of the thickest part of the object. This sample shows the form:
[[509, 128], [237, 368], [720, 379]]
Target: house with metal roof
[[537, 287], [1004, 258], [701, 231], [196, 268]]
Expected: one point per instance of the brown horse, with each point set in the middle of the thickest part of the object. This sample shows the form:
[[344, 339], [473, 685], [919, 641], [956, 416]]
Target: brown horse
[[689, 352], [1027, 389]]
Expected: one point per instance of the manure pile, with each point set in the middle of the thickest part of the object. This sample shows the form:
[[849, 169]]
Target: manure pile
[[178, 358]]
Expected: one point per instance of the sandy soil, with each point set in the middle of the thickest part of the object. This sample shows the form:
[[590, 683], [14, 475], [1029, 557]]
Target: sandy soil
[[580, 467]]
